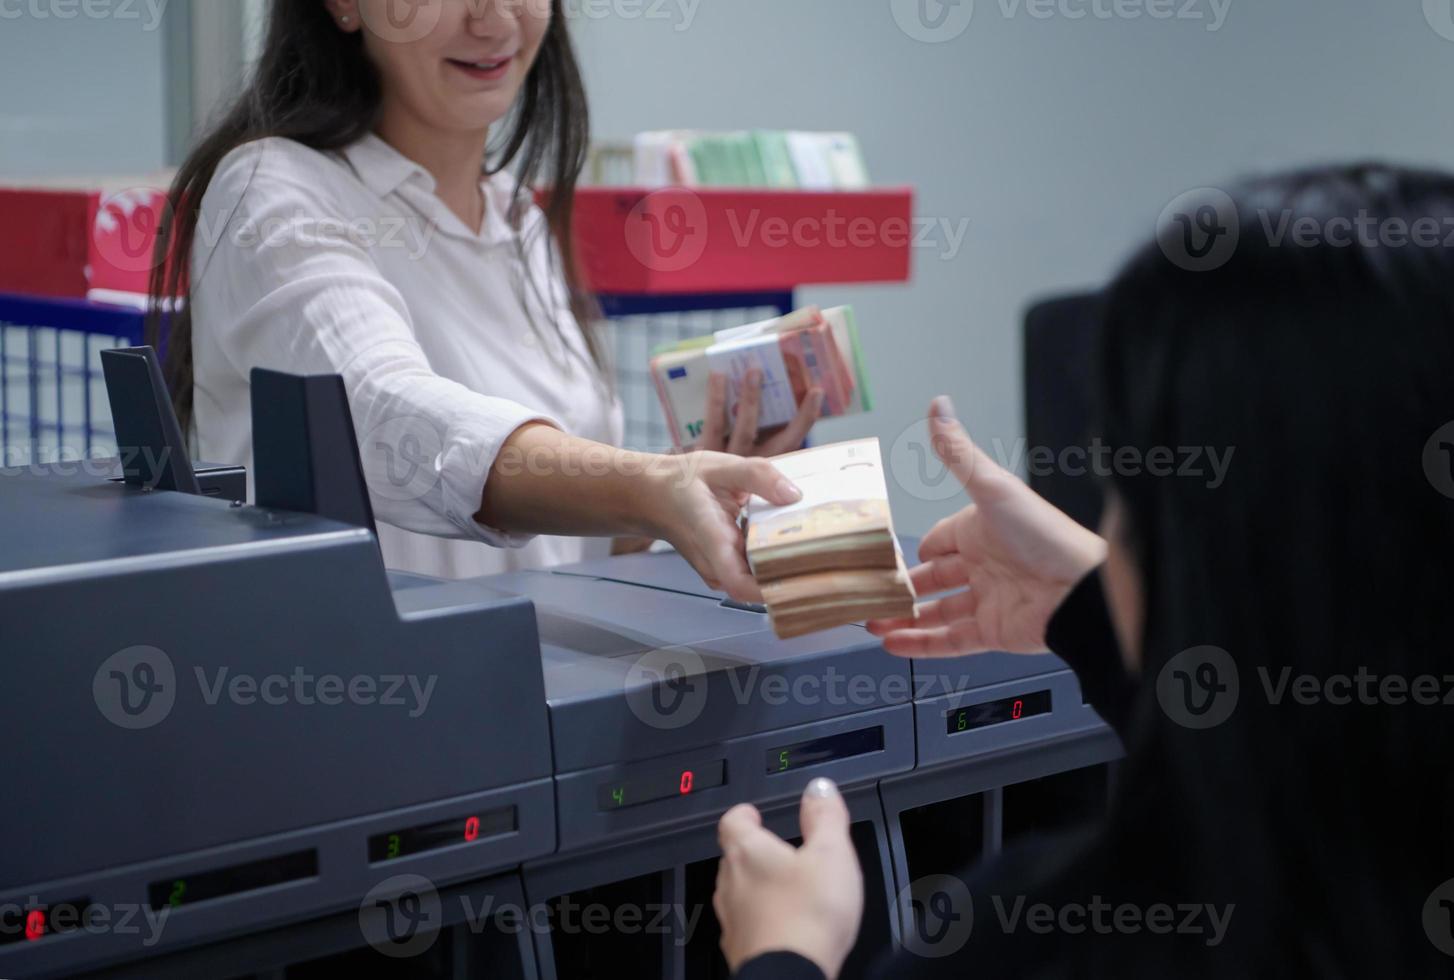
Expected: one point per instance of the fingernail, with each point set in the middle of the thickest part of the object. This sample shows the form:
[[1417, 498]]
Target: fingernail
[[822, 788], [788, 491], [943, 409], [754, 378], [817, 395]]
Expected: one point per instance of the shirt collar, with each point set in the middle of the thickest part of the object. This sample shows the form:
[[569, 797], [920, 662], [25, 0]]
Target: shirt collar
[[382, 168]]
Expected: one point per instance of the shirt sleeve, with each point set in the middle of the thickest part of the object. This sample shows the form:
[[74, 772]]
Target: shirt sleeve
[[282, 283], [1081, 634]]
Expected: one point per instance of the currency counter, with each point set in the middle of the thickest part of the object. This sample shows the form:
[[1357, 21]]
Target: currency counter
[[585, 729], [184, 746]]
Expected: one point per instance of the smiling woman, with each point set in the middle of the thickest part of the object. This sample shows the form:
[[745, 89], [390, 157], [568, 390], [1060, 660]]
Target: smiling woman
[[484, 411]]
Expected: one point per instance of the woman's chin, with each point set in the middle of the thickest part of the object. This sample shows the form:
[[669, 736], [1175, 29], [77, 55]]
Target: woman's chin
[[478, 111]]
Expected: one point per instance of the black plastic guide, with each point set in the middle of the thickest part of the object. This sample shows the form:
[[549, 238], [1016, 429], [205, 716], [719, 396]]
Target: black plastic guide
[[153, 451]]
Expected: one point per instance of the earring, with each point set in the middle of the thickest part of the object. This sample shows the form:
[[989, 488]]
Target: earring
[[345, 20]]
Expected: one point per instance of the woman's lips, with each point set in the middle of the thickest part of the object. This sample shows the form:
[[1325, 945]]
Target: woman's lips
[[486, 71]]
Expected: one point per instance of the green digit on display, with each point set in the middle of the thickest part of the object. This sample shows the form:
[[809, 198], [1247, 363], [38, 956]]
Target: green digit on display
[[963, 720], [782, 760], [396, 845], [619, 795], [179, 888]]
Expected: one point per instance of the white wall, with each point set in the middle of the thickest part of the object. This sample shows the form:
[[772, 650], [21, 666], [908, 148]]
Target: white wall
[[81, 95], [1060, 140]]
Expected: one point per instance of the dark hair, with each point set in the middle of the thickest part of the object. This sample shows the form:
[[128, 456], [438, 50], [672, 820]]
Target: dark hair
[[1327, 366], [315, 84]]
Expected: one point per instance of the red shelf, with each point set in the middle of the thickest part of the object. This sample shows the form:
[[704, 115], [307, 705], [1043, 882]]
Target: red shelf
[[630, 241], [45, 242], [699, 240], [55, 243]]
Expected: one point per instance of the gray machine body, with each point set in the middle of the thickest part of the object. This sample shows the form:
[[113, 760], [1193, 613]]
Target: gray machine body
[[647, 683], [578, 696], [150, 739], [940, 686]]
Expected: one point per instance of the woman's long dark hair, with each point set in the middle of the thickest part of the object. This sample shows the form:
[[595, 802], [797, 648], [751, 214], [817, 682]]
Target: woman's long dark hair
[[315, 84], [1329, 548]]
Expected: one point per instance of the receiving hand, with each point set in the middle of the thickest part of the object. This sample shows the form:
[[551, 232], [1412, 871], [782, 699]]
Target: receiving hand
[[1019, 555], [744, 439], [773, 897], [698, 497]]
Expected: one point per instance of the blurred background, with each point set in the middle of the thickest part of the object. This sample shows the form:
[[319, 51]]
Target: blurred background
[[1043, 138]]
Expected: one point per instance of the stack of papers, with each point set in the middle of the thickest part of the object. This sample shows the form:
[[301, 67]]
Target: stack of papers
[[832, 558], [755, 158], [808, 349]]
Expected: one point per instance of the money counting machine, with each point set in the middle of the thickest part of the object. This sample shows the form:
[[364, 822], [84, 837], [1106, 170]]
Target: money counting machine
[[239, 747]]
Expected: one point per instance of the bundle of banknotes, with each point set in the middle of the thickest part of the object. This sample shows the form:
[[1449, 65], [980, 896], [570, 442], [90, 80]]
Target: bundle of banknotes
[[807, 349], [832, 558]]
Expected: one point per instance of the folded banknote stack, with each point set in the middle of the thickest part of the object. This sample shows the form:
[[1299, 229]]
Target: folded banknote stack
[[809, 348], [832, 558]]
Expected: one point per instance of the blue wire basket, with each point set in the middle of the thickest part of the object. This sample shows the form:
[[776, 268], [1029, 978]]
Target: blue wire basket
[[53, 402]]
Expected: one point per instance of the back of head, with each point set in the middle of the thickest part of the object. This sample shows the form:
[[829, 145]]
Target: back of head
[[1300, 385]]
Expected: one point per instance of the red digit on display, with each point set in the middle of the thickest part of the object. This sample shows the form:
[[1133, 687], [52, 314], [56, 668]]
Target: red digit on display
[[686, 782], [34, 924], [471, 828], [1017, 709]]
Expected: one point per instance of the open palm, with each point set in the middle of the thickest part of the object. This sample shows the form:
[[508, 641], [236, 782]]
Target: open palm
[[1018, 555]]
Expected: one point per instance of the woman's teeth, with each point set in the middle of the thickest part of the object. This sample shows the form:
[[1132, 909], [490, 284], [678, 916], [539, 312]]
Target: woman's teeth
[[481, 65]]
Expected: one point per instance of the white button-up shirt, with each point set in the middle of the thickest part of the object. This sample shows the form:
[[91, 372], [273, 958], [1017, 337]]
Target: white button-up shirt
[[347, 263]]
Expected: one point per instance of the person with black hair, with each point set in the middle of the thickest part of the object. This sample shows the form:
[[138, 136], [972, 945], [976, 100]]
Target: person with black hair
[[366, 209], [1274, 648]]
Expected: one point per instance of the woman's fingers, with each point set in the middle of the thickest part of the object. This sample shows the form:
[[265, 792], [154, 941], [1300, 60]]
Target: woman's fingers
[[972, 466], [749, 476], [956, 639], [749, 410], [734, 575], [947, 611], [737, 823], [745, 840], [795, 433], [714, 426], [939, 575], [823, 817], [941, 539], [928, 615], [716, 552]]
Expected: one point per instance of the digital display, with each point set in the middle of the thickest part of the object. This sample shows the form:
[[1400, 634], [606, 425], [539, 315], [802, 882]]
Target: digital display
[[191, 889], [791, 758], [466, 829], [974, 716], [30, 925], [663, 785]]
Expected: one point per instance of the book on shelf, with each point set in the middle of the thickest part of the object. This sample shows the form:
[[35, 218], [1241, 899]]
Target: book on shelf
[[832, 558], [768, 158]]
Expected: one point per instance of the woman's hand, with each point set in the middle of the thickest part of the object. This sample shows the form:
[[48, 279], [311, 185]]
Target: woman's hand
[[773, 897], [743, 439], [1019, 555], [695, 504]]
